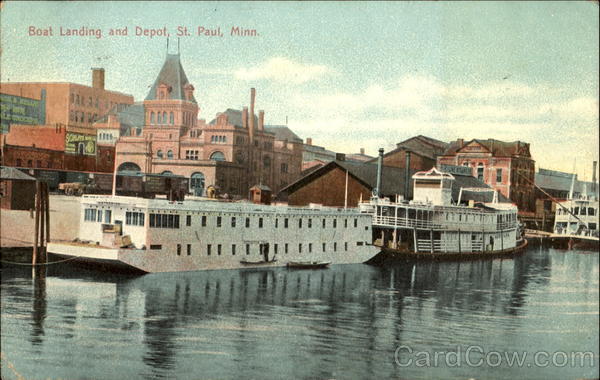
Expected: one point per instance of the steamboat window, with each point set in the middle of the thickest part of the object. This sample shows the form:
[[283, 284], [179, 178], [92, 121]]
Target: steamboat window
[[188, 220], [218, 221], [90, 215], [276, 222], [309, 223], [233, 249], [324, 223], [335, 223], [160, 220], [219, 249], [300, 223], [285, 223], [590, 211], [203, 220], [345, 246], [286, 247], [345, 223], [134, 218], [300, 248], [99, 216], [576, 210], [334, 247], [260, 222], [583, 211], [233, 223], [247, 249], [178, 249], [359, 243], [355, 223], [155, 246], [247, 222], [309, 247], [107, 216], [275, 248], [189, 249], [324, 246], [208, 249]]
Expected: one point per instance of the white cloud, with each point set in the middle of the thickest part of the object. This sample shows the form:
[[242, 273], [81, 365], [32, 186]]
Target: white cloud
[[282, 70]]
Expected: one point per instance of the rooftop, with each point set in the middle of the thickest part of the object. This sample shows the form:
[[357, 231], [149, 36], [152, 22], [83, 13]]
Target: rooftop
[[173, 75]]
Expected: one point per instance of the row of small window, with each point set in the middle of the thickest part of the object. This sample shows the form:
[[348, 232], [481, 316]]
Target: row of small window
[[164, 221], [91, 102], [261, 250], [286, 222], [95, 215], [134, 218], [161, 118], [105, 136], [19, 163], [218, 139], [80, 117], [578, 211]]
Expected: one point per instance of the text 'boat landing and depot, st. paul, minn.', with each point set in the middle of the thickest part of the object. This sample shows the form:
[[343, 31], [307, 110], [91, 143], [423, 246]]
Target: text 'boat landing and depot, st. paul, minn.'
[[138, 31]]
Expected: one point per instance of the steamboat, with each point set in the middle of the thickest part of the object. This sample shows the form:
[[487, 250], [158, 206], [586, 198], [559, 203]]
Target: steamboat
[[441, 222], [576, 224], [159, 235]]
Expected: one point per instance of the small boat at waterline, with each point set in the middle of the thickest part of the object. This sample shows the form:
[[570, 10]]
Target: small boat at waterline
[[308, 264]]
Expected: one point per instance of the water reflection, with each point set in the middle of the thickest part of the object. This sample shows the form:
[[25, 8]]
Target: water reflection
[[321, 323]]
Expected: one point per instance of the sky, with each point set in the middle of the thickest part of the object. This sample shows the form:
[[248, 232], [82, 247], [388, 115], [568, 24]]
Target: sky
[[349, 75]]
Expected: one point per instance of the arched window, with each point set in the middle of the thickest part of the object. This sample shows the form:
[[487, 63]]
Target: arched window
[[197, 183], [164, 117], [217, 156], [159, 154], [170, 154], [152, 120], [128, 166], [167, 172], [172, 118]]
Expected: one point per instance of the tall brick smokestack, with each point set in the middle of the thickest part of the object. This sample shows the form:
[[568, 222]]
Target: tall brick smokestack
[[98, 78], [251, 116], [261, 120]]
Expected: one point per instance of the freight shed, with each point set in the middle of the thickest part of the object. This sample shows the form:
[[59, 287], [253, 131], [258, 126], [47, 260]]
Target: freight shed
[[17, 189]]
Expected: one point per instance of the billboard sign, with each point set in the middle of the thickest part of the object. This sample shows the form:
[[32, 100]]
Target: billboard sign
[[80, 144], [21, 110]]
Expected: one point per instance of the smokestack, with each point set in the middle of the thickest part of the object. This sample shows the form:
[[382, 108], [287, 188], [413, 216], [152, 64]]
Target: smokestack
[[594, 165], [362, 151], [379, 167], [407, 175], [98, 78], [309, 141], [261, 120], [251, 124], [245, 117]]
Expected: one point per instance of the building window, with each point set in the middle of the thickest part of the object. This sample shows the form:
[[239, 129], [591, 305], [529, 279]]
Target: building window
[[284, 168], [170, 154], [188, 220], [498, 175], [152, 120], [107, 216], [159, 154], [89, 215], [164, 117], [171, 118], [233, 221], [480, 172], [134, 218], [217, 156]]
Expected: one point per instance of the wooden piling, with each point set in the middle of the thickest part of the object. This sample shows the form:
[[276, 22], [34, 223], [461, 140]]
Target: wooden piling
[[36, 224]]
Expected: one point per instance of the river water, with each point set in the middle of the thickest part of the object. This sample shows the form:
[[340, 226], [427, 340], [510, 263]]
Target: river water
[[407, 320]]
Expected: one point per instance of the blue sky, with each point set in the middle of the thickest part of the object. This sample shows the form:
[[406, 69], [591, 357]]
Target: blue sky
[[350, 74]]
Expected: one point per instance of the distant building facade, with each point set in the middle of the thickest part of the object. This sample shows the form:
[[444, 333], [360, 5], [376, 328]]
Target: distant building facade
[[504, 166], [419, 153], [232, 152]]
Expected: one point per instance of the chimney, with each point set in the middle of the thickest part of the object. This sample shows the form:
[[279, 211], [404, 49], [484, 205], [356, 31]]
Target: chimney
[[245, 117], [340, 157], [461, 143], [362, 151], [309, 141], [261, 120], [251, 115], [379, 167], [98, 78]]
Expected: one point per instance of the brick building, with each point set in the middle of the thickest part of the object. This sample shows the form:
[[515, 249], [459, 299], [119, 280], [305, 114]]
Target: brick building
[[505, 166], [64, 137], [421, 152], [233, 152]]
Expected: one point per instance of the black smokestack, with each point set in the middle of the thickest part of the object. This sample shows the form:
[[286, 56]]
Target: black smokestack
[[379, 167]]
